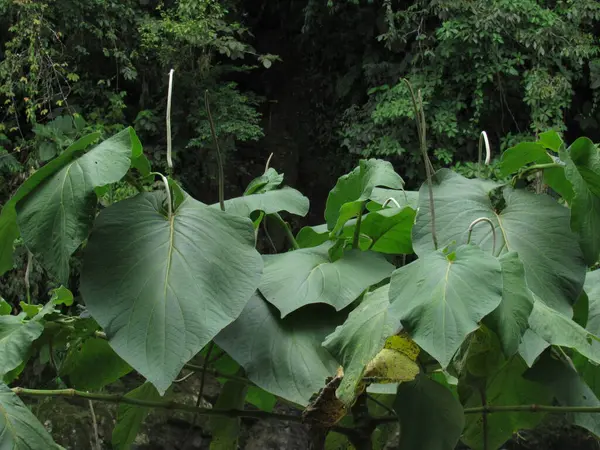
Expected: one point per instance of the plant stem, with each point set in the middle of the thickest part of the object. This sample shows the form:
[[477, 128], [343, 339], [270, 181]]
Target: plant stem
[[484, 423], [539, 167], [27, 273], [120, 398], [475, 222], [533, 408], [168, 192], [356, 238], [213, 132], [169, 144], [421, 130], [287, 229]]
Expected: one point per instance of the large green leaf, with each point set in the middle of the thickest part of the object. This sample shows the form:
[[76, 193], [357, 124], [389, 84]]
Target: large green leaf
[[162, 289], [569, 389], [504, 387], [358, 185], [92, 365], [302, 277], [557, 329], [226, 430], [312, 236], [531, 346], [130, 417], [282, 356], [534, 226], [440, 298], [510, 319], [57, 215], [268, 181], [8, 218], [284, 199], [19, 428], [592, 289], [583, 171], [359, 339], [431, 418], [16, 337], [389, 230]]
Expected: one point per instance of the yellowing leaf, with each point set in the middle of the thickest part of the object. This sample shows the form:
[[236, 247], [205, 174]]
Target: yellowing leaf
[[391, 366], [404, 344]]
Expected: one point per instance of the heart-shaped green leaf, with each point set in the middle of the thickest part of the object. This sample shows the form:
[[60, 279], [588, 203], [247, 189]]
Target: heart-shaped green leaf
[[359, 339], [510, 319], [531, 346], [19, 428], [520, 155], [8, 218], [534, 226], [162, 289], [441, 298], [282, 356], [302, 277], [358, 185], [56, 217], [430, 416]]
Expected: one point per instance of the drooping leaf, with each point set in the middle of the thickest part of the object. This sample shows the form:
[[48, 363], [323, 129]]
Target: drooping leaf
[[583, 171], [534, 226], [268, 181], [531, 346], [282, 356], [441, 298], [16, 337], [551, 140], [19, 428], [592, 289], [557, 329], [162, 289], [302, 277], [504, 387], [358, 186], [131, 417], [568, 388], [92, 365], [359, 339], [57, 215], [226, 430], [430, 417], [389, 230], [510, 319], [284, 199], [8, 217], [312, 236]]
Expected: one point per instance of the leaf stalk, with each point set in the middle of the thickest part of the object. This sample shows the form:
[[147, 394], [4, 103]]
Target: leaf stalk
[[213, 132]]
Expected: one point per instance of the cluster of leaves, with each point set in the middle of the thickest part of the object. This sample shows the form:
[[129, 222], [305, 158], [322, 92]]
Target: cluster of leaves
[[495, 313], [106, 61], [505, 66]]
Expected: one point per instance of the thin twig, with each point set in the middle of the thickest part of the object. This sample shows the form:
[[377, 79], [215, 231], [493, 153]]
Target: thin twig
[[209, 350], [218, 149], [356, 238], [94, 425], [169, 142], [268, 162], [421, 128], [27, 273], [383, 405], [484, 423], [287, 230]]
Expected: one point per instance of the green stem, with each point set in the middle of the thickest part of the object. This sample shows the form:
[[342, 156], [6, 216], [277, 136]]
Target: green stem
[[533, 409], [356, 238], [287, 230], [119, 398], [539, 167], [218, 149]]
